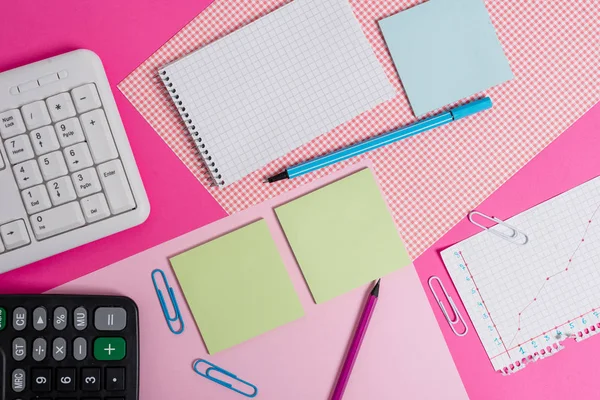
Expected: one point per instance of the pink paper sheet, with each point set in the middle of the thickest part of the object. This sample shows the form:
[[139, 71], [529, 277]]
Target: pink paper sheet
[[403, 355]]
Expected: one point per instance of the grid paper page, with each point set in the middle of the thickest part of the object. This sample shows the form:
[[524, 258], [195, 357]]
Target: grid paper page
[[278, 83], [524, 300]]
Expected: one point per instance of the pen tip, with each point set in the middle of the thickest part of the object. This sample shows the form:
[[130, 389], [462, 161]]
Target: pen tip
[[279, 177], [375, 291]]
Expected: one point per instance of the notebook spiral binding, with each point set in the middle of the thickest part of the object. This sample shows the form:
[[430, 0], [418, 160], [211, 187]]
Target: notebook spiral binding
[[212, 171]]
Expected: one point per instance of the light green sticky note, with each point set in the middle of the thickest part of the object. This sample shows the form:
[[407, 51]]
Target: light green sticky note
[[237, 286], [343, 235]]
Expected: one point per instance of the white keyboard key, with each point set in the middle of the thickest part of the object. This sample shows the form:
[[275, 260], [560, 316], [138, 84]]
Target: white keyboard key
[[86, 98], [57, 220], [47, 79], [97, 133], [86, 182], [78, 157], [14, 234], [11, 124], [18, 149], [2, 165], [27, 174], [69, 132], [53, 165], [95, 208], [60, 106], [61, 190], [116, 187], [36, 199], [35, 114], [2, 247], [44, 140]]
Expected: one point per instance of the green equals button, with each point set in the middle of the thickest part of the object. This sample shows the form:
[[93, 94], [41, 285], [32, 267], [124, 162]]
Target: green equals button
[[109, 349], [2, 318]]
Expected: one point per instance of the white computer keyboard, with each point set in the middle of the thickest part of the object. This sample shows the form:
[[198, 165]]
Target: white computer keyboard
[[67, 174]]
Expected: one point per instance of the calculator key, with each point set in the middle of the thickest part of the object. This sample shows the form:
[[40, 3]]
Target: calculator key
[[44, 140], [79, 349], [90, 379], [95, 208], [40, 318], [53, 165], [41, 379], [78, 157], [59, 349], [98, 135], [27, 174], [80, 318], [39, 349], [57, 220], [60, 106], [3, 317], [60, 318], [19, 349], [18, 149], [35, 114], [110, 318], [36, 199], [69, 132], [18, 380], [19, 319], [86, 97], [86, 182], [115, 379], [109, 348], [116, 187], [65, 380], [61, 190], [14, 234], [11, 124]]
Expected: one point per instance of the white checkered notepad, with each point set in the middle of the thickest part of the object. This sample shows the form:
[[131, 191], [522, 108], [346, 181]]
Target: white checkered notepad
[[276, 84], [524, 300]]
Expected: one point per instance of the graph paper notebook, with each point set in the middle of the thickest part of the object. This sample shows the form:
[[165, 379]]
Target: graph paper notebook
[[524, 300], [275, 84]]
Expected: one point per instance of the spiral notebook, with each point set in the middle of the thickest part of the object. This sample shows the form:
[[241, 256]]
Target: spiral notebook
[[524, 299], [275, 84]]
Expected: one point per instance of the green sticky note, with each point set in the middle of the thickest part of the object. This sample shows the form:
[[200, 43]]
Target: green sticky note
[[343, 235], [237, 286]]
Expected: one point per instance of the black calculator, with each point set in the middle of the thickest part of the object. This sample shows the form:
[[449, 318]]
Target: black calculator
[[66, 347]]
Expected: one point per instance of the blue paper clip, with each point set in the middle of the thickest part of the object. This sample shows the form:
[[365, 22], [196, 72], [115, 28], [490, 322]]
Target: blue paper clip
[[212, 367], [170, 319]]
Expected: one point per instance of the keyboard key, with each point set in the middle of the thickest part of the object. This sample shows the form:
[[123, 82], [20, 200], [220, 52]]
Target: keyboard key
[[27, 86], [69, 132], [18, 380], [27, 174], [41, 380], [2, 249], [80, 318], [79, 349], [61, 190], [86, 182], [36, 199], [115, 379], [90, 379], [44, 140], [60, 318], [78, 157], [18, 149], [60, 106], [116, 187], [46, 79], [97, 133], [65, 380], [11, 124], [35, 114], [2, 164], [110, 318], [95, 208], [109, 349], [53, 165], [19, 319], [39, 349], [14, 234], [19, 349], [40, 318], [86, 97], [57, 220], [59, 349]]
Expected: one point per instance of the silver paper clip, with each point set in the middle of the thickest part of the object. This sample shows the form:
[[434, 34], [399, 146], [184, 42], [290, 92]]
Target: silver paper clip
[[512, 235], [457, 317], [163, 305], [251, 390]]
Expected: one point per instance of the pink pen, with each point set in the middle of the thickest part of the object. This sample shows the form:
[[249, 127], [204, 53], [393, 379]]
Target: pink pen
[[359, 335]]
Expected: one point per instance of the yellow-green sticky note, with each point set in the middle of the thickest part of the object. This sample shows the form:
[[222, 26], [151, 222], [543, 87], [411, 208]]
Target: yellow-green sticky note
[[343, 235], [237, 286]]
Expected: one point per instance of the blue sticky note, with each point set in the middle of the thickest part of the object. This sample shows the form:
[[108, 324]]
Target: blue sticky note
[[444, 51]]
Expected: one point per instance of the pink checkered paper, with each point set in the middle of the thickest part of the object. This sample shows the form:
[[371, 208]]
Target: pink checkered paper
[[430, 180]]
